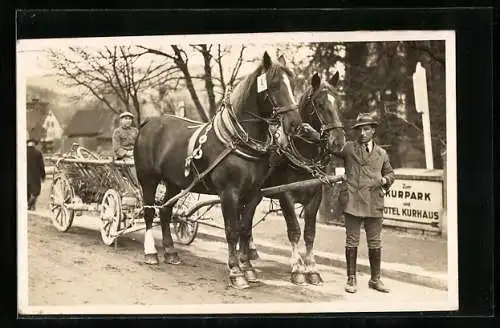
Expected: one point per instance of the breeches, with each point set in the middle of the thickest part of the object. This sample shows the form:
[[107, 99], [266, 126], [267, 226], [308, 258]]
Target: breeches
[[373, 229]]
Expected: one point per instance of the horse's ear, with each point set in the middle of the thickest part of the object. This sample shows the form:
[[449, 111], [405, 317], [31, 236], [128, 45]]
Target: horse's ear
[[267, 61], [315, 81], [334, 79], [282, 60]]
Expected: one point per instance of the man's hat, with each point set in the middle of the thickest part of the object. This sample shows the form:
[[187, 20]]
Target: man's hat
[[126, 114], [31, 140], [365, 119]]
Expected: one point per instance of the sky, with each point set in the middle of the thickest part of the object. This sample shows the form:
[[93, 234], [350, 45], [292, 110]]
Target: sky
[[39, 71], [31, 53]]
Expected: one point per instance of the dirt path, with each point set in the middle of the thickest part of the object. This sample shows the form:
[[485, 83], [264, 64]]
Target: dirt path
[[75, 268]]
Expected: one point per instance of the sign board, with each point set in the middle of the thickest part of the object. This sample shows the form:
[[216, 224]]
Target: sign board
[[420, 89], [418, 201]]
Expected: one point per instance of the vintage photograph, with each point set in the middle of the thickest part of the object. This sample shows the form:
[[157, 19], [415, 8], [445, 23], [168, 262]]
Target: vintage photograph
[[298, 172]]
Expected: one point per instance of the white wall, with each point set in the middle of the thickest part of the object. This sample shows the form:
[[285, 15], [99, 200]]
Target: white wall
[[53, 128]]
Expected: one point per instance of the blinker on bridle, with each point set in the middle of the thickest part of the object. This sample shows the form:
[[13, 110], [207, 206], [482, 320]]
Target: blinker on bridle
[[325, 127]]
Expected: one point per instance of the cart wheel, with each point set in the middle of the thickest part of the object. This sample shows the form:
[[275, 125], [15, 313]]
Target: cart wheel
[[185, 230], [61, 193], [111, 215]]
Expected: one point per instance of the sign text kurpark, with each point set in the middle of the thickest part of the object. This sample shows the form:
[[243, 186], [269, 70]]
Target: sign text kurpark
[[418, 200]]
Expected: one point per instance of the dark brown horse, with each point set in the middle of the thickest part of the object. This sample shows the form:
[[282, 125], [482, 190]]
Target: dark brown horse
[[318, 107], [233, 159]]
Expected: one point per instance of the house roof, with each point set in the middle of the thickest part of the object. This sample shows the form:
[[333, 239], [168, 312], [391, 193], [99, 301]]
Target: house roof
[[62, 114], [93, 122]]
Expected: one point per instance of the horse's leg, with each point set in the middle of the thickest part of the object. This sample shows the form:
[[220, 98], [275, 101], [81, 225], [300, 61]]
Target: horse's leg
[[171, 256], [148, 190], [230, 205], [245, 237], [252, 252], [310, 212], [293, 230]]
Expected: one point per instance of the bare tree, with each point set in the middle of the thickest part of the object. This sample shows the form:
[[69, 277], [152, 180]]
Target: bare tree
[[215, 83], [113, 75]]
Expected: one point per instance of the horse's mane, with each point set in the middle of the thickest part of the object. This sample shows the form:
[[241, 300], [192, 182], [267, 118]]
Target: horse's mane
[[243, 90]]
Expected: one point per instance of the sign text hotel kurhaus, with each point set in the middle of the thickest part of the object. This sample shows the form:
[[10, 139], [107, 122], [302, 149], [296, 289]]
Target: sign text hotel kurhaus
[[414, 199]]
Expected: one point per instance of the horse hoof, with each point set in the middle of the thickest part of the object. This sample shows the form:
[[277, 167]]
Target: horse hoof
[[239, 282], [298, 278], [151, 259], [254, 255], [314, 278], [172, 258], [251, 275]]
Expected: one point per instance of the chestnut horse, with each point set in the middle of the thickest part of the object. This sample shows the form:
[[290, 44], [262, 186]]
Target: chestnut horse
[[231, 160], [318, 106]]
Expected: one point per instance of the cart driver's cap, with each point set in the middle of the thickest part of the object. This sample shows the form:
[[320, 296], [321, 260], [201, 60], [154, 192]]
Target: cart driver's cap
[[126, 114]]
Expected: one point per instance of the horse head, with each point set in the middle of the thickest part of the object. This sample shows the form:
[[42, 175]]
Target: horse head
[[275, 94], [321, 109]]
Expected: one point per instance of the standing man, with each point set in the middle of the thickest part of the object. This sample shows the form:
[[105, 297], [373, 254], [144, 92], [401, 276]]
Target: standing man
[[124, 138], [35, 174], [368, 175]]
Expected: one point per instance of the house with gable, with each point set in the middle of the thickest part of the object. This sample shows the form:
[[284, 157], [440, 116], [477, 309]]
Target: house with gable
[[92, 129], [45, 123]]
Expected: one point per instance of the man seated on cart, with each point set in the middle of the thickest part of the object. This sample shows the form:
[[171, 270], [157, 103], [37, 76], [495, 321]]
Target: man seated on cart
[[123, 142], [124, 138]]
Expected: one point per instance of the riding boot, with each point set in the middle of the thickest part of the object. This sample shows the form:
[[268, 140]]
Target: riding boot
[[351, 254], [374, 256]]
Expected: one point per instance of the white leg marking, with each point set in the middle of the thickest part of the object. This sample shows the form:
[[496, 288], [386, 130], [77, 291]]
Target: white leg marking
[[149, 242], [289, 87], [311, 262], [295, 259]]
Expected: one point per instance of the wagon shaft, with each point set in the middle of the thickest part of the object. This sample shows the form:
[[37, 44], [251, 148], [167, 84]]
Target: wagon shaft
[[299, 185]]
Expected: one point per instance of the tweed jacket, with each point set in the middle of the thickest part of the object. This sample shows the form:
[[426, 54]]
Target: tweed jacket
[[123, 140], [362, 193]]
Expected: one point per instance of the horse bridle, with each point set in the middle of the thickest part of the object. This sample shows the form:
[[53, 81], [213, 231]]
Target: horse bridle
[[325, 127], [279, 110], [241, 134]]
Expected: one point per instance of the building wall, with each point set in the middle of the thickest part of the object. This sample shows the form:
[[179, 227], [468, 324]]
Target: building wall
[[52, 127]]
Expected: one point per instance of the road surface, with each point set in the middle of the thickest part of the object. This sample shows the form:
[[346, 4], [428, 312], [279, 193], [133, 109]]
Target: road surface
[[76, 269]]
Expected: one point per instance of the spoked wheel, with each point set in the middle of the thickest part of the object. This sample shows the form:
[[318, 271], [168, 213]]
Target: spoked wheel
[[61, 194], [184, 229], [111, 215]]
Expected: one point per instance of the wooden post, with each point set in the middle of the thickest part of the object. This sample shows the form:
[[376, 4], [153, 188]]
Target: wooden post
[[422, 106], [444, 217]]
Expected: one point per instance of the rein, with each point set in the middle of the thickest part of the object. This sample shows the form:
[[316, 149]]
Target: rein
[[238, 137], [236, 134], [315, 167]]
